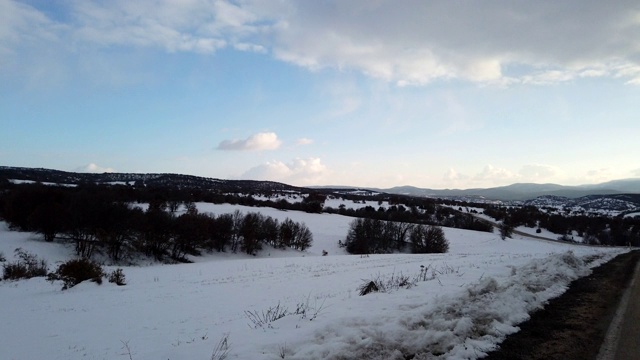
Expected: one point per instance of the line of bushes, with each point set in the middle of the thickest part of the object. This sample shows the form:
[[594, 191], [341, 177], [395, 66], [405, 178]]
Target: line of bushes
[[71, 272], [96, 223]]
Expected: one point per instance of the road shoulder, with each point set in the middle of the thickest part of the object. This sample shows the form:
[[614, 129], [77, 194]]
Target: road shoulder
[[574, 325]]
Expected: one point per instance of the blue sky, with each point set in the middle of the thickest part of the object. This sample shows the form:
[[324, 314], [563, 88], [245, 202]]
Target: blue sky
[[439, 94]]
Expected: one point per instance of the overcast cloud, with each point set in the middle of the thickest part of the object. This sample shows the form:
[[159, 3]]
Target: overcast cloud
[[408, 42]]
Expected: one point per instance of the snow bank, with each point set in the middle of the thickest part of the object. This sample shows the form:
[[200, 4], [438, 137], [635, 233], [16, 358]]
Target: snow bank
[[461, 326]]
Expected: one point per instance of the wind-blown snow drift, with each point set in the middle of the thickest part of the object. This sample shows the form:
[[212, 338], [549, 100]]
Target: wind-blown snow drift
[[461, 326]]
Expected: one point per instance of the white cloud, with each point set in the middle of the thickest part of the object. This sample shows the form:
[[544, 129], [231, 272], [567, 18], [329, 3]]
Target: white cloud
[[93, 168], [259, 141], [598, 175], [538, 172], [20, 22], [421, 41], [410, 44], [453, 179], [301, 172], [490, 176], [174, 26], [250, 47], [304, 141], [453, 175], [494, 175]]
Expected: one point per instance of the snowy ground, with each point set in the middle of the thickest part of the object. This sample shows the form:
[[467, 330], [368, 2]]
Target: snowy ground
[[471, 298]]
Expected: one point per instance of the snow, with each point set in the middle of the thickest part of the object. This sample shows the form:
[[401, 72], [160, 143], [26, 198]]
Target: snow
[[124, 183], [16, 181], [354, 204], [471, 299], [633, 214]]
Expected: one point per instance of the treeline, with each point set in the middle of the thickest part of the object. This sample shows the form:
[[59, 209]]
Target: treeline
[[373, 236], [403, 208], [172, 194], [421, 211], [596, 230], [97, 222]]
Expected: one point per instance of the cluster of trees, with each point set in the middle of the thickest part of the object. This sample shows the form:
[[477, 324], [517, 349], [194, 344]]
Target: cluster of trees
[[95, 221], [596, 230], [373, 236], [424, 212]]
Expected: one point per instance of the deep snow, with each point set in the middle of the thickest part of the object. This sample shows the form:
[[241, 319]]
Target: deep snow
[[474, 296]]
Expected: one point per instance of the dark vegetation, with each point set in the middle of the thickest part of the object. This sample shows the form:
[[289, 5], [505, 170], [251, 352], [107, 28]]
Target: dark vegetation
[[412, 210], [101, 219], [596, 230], [98, 217], [373, 236], [75, 271], [26, 266], [71, 273], [117, 277]]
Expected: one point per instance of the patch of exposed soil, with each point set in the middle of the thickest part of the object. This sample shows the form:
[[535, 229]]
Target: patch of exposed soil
[[573, 325]]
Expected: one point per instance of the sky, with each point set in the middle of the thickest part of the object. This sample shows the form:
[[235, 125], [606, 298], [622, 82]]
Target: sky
[[375, 93]]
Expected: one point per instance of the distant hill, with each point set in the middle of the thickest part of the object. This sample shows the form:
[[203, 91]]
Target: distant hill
[[592, 203], [131, 179], [526, 191], [519, 191]]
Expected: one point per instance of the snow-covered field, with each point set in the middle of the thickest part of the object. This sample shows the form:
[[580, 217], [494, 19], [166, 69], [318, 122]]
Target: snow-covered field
[[468, 301]]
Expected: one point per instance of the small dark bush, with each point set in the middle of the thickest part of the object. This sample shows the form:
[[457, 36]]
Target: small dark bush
[[15, 271], [73, 272], [117, 277], [27, 266], [368, 287]]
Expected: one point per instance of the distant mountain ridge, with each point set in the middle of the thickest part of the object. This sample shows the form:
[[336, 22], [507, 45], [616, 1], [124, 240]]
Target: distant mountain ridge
[[154, 180], [526, 191], [514, 192]]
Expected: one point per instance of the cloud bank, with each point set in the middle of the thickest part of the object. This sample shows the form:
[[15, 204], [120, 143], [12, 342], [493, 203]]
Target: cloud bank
[[259, 141], [301, 172], [491, 176], [409, 43]]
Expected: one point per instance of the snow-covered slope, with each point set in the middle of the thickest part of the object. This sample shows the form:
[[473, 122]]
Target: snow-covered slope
[[469, 300]]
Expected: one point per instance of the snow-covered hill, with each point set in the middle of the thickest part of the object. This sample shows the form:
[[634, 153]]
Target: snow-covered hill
[[608, 205], [461, 306]]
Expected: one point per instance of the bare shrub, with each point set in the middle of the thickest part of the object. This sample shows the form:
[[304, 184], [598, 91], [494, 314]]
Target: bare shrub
[[386, 283], [266, 317], [306, 310], [282, 351], [73, 272], [127, 349], [117, 277], [368, 287], [221, 351], [27, 266]]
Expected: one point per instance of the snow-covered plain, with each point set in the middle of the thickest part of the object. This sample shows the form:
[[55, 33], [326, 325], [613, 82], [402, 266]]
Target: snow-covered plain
[[469, 300]]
